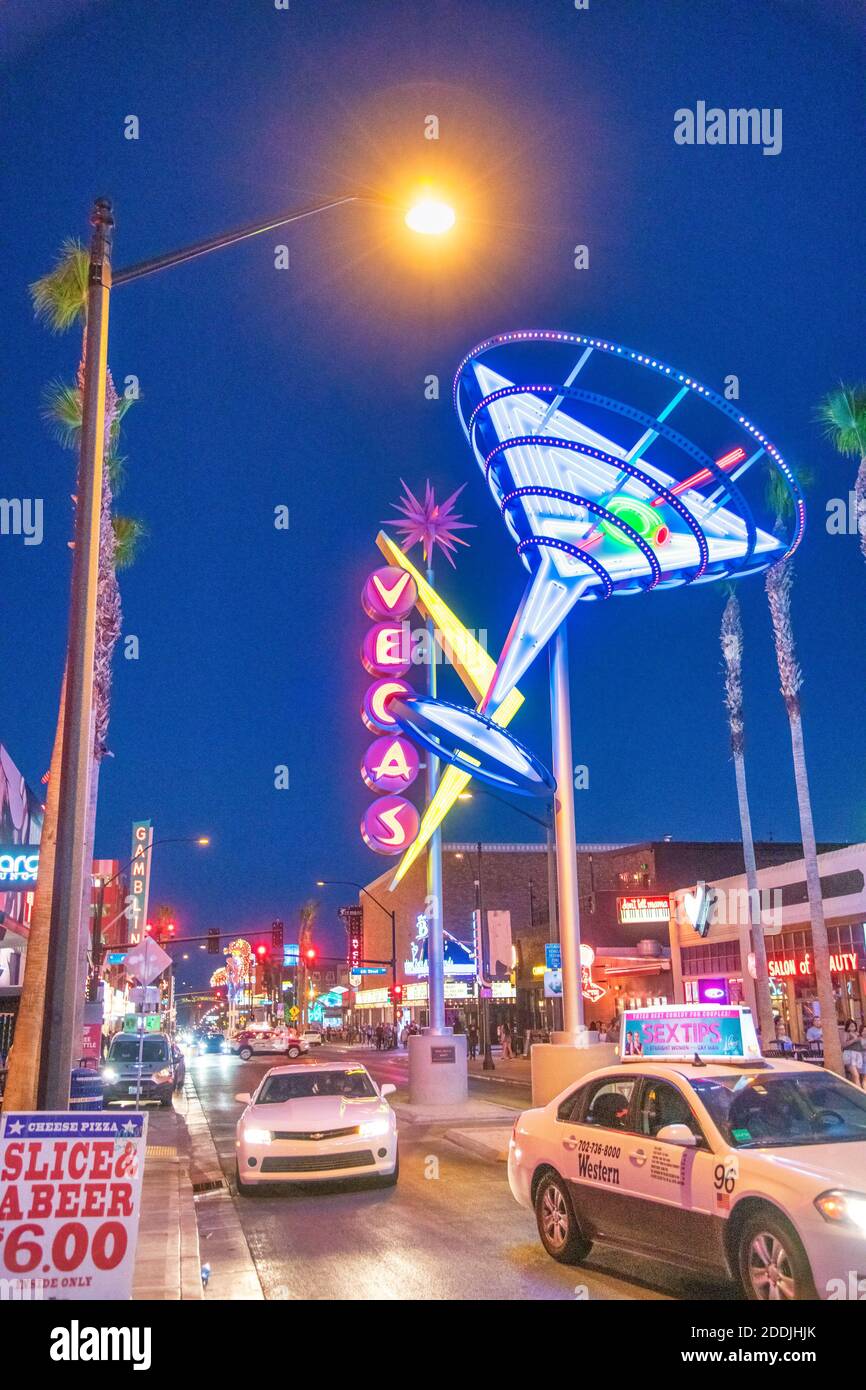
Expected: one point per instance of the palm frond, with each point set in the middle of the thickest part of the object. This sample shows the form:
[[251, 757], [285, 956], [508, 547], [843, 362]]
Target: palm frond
[[60, 297], [843, 415], [115, 468], [61, 409], [129, 534]]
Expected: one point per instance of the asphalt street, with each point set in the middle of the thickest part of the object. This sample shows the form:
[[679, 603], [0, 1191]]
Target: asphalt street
[[450, 1229]]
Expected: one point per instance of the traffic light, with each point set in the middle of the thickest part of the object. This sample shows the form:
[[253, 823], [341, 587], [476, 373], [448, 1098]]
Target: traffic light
[[277, 936], [170, 928], [213, 942], [261, 951], [395, 994], [310, 955]]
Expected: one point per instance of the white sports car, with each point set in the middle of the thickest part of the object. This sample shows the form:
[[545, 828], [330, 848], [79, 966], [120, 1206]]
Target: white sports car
[[313, 1122], [754, 1169]]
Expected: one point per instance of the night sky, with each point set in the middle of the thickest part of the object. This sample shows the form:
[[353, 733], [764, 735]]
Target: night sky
[[306, 388]]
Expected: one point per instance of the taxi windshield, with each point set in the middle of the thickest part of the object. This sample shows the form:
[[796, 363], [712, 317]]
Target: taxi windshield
[[770, 1111]]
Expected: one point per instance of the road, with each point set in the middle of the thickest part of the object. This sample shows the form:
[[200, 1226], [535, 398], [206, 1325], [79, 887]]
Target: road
[[450, 1229]]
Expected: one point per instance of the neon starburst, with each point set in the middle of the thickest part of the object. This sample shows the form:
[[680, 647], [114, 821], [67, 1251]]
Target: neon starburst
[[429, 523]]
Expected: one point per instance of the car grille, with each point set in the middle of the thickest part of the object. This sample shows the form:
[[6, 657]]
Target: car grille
[[315, 1133], [318, 1163]]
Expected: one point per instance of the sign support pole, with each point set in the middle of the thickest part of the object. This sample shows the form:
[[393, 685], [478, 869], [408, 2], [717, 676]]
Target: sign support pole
[[573, 1030]]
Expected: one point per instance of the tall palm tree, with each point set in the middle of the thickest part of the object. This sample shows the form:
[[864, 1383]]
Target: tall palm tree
[[60, 300], [843, 415], [779, 583], [752, 929]]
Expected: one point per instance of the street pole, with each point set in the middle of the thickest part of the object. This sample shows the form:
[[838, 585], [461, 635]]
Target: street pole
[[96, 946], [487, 1064], [62, 983], [573, 1030], [435, 923]]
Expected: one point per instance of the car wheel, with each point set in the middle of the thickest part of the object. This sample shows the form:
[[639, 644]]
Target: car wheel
[[245, 1053], [294, 1052], [773, 1264], [245, 1189], [390, 1179], [557, 1223]]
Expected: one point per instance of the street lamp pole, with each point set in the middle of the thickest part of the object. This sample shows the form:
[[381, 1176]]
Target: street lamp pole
[[389, 912], [62, 983]]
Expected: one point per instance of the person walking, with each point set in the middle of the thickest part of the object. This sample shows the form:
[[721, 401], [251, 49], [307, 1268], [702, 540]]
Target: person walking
[[472, 1041], [852, 1052]]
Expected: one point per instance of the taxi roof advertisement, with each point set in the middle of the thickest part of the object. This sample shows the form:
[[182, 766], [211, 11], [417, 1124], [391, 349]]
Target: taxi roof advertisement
[[681, 1031]]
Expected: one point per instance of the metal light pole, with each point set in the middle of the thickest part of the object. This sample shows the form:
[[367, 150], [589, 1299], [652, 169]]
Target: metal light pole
[[573, 1030], [62, 981], [435, 923]]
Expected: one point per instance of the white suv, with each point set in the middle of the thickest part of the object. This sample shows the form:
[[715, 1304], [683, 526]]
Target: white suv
[[267, 1040]]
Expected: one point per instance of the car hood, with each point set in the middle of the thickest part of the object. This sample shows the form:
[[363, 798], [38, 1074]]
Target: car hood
[[316, 1112], [831, 1165]]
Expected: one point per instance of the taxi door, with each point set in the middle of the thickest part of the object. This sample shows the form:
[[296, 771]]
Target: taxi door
[[595, 1153], [680, 1214]]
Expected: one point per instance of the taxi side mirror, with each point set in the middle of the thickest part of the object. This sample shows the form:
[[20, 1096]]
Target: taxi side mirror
[[388, 1089], [245, 1098], [677, 1134]]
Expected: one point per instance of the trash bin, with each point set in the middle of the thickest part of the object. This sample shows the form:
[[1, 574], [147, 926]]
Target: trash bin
[[85, 1090]]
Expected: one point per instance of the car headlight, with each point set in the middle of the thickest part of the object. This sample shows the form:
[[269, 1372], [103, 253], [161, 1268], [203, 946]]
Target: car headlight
[[164, 1074], [373, 1128], [257, 1136], [843, 1208], [109, 1074]]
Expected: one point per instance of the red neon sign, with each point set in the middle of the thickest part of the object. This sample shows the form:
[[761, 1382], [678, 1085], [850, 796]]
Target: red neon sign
[[800, 964]]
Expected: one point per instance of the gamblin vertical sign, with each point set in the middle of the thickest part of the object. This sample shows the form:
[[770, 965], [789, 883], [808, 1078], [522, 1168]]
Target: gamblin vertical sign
[[139, 883]]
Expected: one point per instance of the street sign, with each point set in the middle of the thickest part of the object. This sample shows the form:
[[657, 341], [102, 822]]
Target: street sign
[[146, 960], [144, 994], [80, 1173], [132, 1023], [294, 1012], [553, 955], [372, 970]]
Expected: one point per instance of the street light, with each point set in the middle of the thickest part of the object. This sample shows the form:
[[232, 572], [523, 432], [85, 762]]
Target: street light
[[430, 217], [62, 982], [96, 935], [350, 883]]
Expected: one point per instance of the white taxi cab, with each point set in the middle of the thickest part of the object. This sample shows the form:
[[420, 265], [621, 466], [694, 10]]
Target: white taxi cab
[[697, 1151]]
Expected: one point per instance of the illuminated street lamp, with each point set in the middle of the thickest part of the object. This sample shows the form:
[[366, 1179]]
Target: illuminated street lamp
[[69, 879]]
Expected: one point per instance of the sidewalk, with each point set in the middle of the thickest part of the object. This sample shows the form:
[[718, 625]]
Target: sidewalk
[[167, 1262], [188, 1218]]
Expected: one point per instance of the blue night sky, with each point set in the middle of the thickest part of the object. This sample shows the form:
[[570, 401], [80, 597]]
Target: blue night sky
[[305, 388]]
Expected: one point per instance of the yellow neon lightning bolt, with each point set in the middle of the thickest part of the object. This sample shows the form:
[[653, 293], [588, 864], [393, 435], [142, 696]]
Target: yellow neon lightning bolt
[[476, 669]]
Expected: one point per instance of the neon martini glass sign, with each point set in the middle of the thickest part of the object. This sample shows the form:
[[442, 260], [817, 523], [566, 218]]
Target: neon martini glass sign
[[615, 474]]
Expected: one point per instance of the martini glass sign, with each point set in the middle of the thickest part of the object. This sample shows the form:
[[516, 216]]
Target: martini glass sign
[[390, 764]]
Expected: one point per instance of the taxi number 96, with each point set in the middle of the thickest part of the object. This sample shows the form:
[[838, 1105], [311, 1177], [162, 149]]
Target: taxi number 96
[[724, 1178], [590, 1146]]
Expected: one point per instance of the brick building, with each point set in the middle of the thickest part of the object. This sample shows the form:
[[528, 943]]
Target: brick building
[[625, 917]]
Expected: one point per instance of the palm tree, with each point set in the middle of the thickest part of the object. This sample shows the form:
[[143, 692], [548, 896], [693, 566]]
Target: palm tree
[[60, 300], [732, 655], [779, 583], [843, 415]]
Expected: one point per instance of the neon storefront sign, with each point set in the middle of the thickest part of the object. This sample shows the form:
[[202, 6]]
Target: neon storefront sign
[[18, 867], [801, 964]]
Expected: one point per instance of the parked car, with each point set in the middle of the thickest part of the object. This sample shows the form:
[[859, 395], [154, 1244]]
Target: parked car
[[312, 1037], [252, 1041], [159, 1073]]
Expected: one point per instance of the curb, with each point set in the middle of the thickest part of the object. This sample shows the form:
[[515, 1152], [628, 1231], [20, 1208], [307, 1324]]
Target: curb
[[492, 1148], [222, 1241]]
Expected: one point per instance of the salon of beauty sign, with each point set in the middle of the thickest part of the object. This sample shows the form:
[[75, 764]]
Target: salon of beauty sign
[[70, 1197]]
